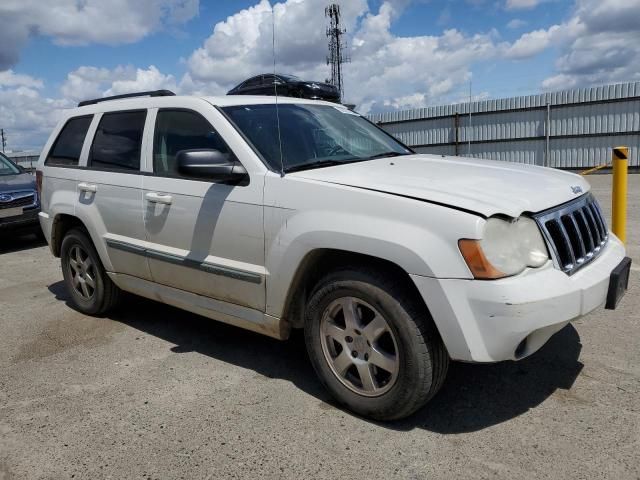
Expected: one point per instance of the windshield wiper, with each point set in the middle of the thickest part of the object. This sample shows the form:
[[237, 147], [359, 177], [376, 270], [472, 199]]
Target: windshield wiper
[[386, 154], [310, 165], [330, 163]]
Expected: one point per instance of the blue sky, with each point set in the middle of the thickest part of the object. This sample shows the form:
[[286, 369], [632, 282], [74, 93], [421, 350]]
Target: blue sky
[[405, 53], [167, 49]]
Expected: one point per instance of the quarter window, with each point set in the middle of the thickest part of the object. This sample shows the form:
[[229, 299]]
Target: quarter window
[[181, 130], [67, 147], [118, 141]]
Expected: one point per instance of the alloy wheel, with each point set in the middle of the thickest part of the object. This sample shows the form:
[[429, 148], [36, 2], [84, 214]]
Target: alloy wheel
[[359, 346], [83, 274]]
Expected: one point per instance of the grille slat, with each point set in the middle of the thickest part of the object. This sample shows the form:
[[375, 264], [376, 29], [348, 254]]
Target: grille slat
[[566, 239], [579, 247], [575, 232], [593, 227], [601, 230], [587, 237]]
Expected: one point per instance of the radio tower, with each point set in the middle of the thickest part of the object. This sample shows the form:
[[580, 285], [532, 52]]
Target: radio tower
[[337, 46]]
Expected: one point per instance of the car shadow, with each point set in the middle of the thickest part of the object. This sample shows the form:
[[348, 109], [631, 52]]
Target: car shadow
[[474, 396], [17, 242]]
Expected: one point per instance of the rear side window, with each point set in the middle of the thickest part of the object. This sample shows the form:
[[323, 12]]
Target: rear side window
[[181, 130], [67, 147], [118, 141]]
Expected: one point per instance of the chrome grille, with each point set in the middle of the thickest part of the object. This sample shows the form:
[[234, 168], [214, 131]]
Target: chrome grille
[[575, 232], [17, 199]]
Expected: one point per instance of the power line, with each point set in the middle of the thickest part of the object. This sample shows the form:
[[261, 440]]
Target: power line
[[4, 141]]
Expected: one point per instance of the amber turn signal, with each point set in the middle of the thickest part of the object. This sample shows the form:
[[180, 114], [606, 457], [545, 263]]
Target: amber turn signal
[[477, 261]]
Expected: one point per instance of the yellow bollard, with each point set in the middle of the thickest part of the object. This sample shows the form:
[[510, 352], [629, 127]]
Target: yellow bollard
[[619, 193]]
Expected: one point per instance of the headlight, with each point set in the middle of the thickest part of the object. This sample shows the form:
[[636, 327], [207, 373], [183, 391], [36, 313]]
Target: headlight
[[506, 248]]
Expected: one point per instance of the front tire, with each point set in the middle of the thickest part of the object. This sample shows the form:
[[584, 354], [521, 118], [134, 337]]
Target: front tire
[[373, 344], [91, 290]]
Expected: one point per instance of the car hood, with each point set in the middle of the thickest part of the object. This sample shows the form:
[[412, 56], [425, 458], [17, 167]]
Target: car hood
[[485, 187], [20, 181]]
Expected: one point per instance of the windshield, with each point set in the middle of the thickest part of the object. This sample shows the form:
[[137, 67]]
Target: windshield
[[312, 135], [7, 167]]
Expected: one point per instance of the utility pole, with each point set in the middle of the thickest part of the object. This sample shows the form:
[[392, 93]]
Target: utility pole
[[4, 142], [337, 47]]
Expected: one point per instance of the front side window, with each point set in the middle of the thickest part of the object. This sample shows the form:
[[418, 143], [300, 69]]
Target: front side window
[[118, 141], [7, 167], [181, 130], [67, 147], [311, 135]]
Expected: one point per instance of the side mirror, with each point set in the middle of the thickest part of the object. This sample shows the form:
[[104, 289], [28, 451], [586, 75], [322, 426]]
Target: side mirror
[[210, 164]]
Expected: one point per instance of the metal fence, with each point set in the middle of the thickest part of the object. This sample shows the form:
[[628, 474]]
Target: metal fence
[[569, 129], [27, 160]]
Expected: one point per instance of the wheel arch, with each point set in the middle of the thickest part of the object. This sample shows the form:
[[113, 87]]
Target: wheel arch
[[320, 262], [62, 223]]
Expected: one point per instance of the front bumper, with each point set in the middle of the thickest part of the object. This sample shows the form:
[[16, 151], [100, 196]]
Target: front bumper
[[27, 221], [508, 319]]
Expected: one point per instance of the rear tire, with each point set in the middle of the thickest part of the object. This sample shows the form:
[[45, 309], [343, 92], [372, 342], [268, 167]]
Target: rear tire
[[373, 344], [91, 290]]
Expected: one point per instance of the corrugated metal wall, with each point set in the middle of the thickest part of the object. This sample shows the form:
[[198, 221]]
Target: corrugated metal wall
[[584, 124]]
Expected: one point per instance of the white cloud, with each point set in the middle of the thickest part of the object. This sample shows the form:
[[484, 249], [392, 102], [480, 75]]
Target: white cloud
[[80, 22], [10, 79], [242, 44], [385, 69], [143, 80], [600, 44], [27, 116], [522, 4], [93, 82], [533, 43], [414, 100], [516, 23]]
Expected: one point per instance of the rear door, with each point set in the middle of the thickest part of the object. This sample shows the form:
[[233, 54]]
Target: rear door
[[109, 191], [203, 237], [60, 167]]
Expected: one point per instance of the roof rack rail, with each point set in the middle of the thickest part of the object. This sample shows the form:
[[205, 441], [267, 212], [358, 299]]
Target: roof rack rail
[[150, 93]]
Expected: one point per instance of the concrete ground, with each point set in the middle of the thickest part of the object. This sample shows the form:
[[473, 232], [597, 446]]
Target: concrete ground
[[157, 393]]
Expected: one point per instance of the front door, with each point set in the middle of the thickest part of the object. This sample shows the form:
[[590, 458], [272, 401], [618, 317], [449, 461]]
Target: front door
[[203, 237]]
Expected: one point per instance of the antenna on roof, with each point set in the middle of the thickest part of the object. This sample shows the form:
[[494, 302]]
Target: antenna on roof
[[275, 86]]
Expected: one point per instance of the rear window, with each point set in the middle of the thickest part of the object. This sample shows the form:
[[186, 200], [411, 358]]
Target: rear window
[[118, 140], [67, 147]]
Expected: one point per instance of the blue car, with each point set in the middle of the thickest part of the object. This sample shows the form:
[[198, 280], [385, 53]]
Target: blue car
[[19, 200]]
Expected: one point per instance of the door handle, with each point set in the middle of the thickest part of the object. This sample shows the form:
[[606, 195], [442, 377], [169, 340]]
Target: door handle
[[86, 187], [158, 198]]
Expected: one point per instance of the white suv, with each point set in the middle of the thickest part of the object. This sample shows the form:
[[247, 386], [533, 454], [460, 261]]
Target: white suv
[[272, 214]]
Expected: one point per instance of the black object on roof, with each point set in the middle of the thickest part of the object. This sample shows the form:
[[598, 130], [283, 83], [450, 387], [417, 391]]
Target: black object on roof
[[150, 93]]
